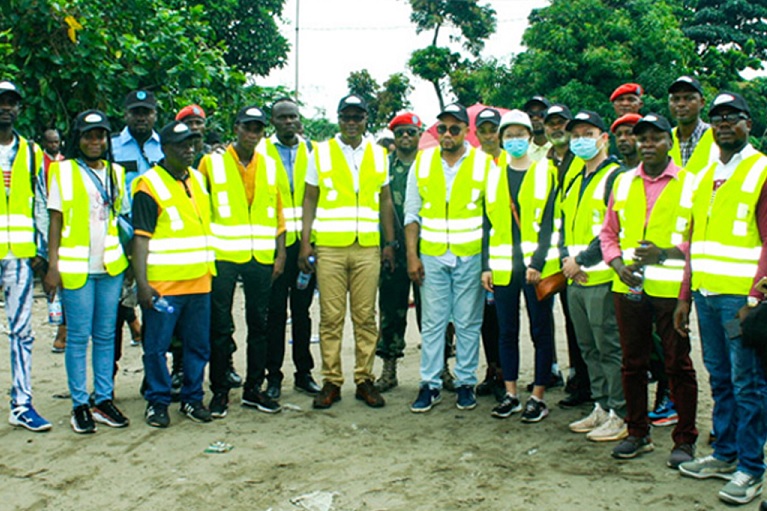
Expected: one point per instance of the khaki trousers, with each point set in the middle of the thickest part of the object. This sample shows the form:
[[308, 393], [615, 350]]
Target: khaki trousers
[[353, 270]]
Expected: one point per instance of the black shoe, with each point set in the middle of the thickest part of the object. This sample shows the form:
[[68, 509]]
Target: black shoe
[[176, 382], [196, 411], [508, 406], [219, 404], [576, 399], [107, 413], [306, 384], [156, 415], [254, 398], [82, 420], [273, 391], [631, 447], [233, 379]]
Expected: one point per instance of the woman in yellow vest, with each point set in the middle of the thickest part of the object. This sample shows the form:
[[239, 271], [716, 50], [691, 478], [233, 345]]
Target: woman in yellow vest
[[520, 207], [85, 197]]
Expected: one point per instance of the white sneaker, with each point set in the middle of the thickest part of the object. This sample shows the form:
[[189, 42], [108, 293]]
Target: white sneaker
[[596, 418], [613, 429]]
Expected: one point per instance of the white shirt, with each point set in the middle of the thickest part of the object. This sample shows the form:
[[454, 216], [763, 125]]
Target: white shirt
[[353, 157], [538, 152], [724, 171]]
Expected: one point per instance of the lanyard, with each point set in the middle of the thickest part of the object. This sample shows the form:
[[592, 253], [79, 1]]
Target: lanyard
[[97, 182]]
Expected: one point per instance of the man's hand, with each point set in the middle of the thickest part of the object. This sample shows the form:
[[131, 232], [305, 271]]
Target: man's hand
[[415, 270], [487, 281], [682, 318], [570, 268], [145, 295], [626, 274], [647, 254], [279, 266], [303, 257], [387, 259], [51, 282], [532, 276]]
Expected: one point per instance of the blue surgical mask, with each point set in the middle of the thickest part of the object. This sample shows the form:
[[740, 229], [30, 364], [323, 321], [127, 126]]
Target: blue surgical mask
[[584, 147], [516, 147]]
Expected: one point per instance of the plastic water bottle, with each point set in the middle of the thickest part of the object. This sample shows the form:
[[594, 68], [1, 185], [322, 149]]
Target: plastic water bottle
[[302, 282], [160, 304], [55, 314], [489, 298], [635, 292]]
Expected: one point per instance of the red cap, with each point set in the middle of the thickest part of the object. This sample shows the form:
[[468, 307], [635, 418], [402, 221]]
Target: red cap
[[408, 118], [630, 119], [627, 88], [190, 110]]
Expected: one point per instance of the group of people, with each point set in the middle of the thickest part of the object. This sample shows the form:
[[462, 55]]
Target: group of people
[[541, 209]]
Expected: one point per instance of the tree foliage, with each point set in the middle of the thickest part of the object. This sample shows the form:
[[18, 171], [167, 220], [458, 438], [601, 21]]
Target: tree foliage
[[383, 101]]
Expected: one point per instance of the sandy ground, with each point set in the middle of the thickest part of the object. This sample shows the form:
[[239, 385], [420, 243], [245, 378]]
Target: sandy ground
[[348, 458]]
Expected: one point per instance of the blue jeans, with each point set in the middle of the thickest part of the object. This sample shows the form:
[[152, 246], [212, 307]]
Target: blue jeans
[[192, 314], [737, 385], [451, 294], [91, 313]]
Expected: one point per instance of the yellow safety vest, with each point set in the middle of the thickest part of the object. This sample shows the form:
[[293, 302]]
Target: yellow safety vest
[[705, 153], [181, 247], [725, 245], [583, 219], [454, 224], [668, 226], [17, 224], [240, 230], [291, 201], [536, 186], [74, 251], [344, 215]]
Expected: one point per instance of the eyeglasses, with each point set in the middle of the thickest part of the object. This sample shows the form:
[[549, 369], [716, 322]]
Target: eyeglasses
[[732, 118], [454, 130], [401, 132], [352, 117]]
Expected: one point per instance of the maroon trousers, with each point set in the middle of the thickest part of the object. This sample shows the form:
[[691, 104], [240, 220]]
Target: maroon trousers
[[635, 325]]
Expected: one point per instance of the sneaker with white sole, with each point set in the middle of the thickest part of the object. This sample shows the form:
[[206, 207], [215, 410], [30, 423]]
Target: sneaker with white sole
[[535, 411], [107, 413], [82, 420], [708, 467], [613, 429], [742, 488], [27, 417], [508, 406], [596, 418]]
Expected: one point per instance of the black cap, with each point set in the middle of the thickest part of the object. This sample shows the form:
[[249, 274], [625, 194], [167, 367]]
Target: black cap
[[729, 99], [140, 98], [176, 132], [456, 110], [536, 99], [686, 83], [250, 114], [352, 100], [655, 120], [560, 110], [586, 117], [91, 120], [7, 87], [490, 115]]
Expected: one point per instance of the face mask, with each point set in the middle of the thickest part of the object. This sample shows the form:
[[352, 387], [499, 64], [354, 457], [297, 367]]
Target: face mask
[[517, 147], [584, 148]]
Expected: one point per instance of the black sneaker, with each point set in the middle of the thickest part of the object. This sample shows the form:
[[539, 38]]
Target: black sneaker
[[632, 446], [535, 411], [196, 411], [508, 406], [176, 382], [273, 390], [107, 413], [156, 415], [233, 379], [219, 404], [82, 420], [254, 398]]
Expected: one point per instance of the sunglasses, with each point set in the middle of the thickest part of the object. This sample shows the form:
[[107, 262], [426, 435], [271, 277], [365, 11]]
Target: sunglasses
[[454, 130], [352, 117], [536, 113], [733, 118], [401, 132]]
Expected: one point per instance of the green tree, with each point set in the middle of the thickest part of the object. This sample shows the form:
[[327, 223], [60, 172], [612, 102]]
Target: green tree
[[383, 101]]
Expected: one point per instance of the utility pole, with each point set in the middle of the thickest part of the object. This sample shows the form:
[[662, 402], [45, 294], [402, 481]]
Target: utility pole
[[296, 60]]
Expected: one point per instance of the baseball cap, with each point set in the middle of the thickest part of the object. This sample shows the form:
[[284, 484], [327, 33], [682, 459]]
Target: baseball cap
[[249, 114], [176, 132], [536, 99], [7, 87], [686, 82], [405, 119], [140, 98], [560, 110], [729, 99], [655, 120], [91, 120], [456, 110], [586, 117], [515, 117], [490, 115], [631, 119], [350, 101], [626, 88], [190, 111]]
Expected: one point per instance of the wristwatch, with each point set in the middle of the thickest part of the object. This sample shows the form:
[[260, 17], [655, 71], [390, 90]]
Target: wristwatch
[[752, 301], [662, 256], [393, 244]]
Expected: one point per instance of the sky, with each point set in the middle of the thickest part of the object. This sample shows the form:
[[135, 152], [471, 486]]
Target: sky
[[336, 37]]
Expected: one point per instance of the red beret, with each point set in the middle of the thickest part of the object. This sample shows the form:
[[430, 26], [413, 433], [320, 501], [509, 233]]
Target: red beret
[[190, 110], [408, 118], [626, 88], [630, 119]]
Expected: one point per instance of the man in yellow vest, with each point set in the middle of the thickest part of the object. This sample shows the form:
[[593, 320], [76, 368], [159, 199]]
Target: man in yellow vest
[[292, 155], [728, 258], [588, 291], [694, 148], [20, 161], [645, 226], [248, 229], [174, 262], [346, 202], [443, 218]]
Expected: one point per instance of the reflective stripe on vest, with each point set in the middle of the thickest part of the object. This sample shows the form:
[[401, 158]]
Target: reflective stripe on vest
[[291, 201], [17, 226]]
